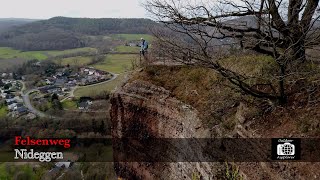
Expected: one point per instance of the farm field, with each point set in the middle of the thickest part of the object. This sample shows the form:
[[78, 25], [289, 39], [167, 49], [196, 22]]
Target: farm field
[[75, 61], [117, 63], [132, 37], [71, 51], [127, 49], [98, 89], [9, 53], [10, 58]]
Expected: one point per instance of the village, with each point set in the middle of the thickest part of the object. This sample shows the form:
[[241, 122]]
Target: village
[[60, 84], [65, 79], [11, 98]]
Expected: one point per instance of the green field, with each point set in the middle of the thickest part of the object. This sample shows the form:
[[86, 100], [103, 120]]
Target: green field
[[70, 51], [10, 58], [3, 111], [98, 89], [75, 61], [132, 37], [9, 53], [117, 63], [127, 49], [69, 104]]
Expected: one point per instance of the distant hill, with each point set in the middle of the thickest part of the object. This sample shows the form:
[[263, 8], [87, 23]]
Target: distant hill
[[7, 23], [64, 33]]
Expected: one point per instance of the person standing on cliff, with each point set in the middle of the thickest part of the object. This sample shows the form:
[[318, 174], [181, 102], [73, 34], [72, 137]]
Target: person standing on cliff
[[144, 49]]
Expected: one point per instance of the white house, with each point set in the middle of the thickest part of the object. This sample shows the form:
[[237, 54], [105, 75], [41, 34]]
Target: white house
[[3, 94], [11, 106], [91, 72]]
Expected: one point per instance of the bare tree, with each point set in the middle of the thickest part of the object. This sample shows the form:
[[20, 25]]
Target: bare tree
[[282, 29]]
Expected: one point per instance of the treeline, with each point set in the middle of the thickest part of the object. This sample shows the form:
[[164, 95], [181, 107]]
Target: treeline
[[65, 33], [6, 23], [51, 39]]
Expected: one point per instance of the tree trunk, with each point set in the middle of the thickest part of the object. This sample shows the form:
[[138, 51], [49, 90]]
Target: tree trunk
[[299, 52], [283, 97]]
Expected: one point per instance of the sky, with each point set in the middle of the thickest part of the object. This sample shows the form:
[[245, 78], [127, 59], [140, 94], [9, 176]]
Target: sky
[[45, 9]]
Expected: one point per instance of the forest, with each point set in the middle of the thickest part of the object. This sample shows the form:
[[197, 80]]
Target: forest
[[60, 33]]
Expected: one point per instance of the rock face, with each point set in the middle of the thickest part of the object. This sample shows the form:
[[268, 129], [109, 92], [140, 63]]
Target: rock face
[[142, 109]]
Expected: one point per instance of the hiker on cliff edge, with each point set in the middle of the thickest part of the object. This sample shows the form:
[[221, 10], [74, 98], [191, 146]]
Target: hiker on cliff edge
[[144, 47]]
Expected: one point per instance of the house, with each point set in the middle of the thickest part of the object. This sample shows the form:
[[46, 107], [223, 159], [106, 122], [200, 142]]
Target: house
[[74, 75], [22, 110], [97, 73], [87, 100], [84, 81], [54, 90], [50, 89], [10, 98], [3, 94], [60, 82], [91, 72], [11, 105], [83, 106], [18, 105], [59, 74]]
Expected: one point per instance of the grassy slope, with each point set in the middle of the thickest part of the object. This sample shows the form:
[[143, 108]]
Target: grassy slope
[[69, 104], [71, 51], [196, 86], [78, 60], [3, 112], [9, 53], [117, 63], [203, 88], [127, 49], [96, 90]]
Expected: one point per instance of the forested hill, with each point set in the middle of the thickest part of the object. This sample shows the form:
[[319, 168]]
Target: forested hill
[[64, 33], [6, 23]]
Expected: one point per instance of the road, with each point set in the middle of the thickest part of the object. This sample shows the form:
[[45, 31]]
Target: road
[[27, 103]]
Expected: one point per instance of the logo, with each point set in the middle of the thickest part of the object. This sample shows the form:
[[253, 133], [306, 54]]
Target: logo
[[286, 149]]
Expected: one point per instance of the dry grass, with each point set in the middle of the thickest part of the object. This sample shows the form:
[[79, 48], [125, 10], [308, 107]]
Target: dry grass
[[200, 87], [217, 101]]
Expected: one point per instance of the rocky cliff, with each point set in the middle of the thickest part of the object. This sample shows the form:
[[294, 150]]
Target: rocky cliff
[[141, 109]]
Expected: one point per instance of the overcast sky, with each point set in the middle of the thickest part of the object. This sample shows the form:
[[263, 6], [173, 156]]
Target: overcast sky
[[44, 9]]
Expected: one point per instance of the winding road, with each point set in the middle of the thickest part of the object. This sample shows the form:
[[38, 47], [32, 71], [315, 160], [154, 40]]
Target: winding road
[[27, 103]]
